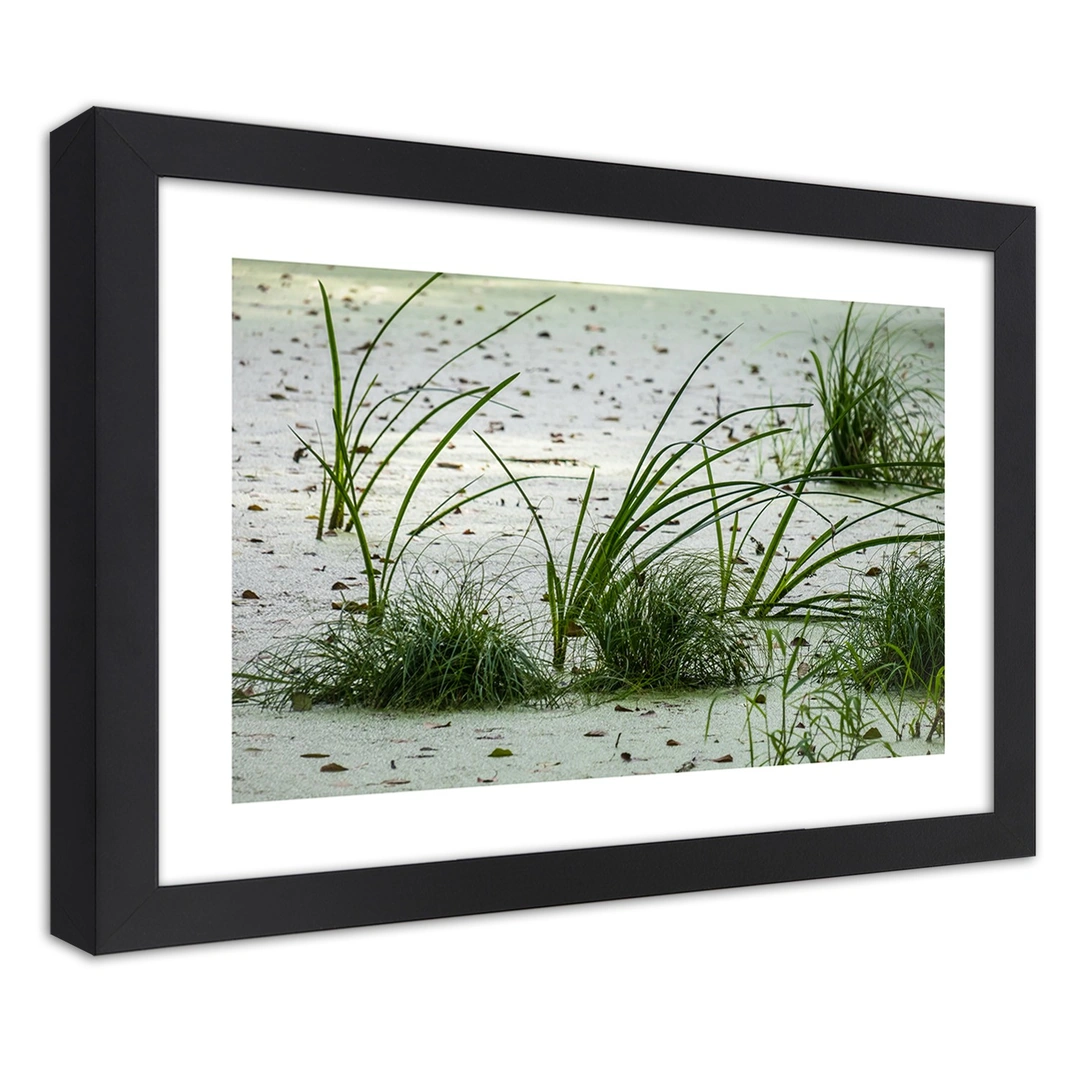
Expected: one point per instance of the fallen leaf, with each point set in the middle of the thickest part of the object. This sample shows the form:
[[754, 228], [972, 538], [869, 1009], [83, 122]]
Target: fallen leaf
[[760, 699], [449, 464], [339, 585], [649, 712], [255, 506], [333, 767], [429, 724], [249, 594], [799, 642], [871, 733], [596, 733], [314, 755], [392, 783], [255, 749], [802, 669], [674, 742], [625, 756], [686, 767], [725, 760], [301, 702], [622, 708], [501, 751], [485, 780], [873, 571]]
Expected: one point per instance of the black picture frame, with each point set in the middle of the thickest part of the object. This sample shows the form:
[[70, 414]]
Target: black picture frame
[[104, 552]]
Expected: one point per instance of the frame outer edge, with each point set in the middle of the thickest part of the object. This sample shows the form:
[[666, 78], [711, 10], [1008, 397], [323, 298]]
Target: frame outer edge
[[126, 465], [242, 153], [1014, 531], [72, 506]]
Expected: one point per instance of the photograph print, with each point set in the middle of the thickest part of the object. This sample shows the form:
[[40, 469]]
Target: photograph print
[[493, 531]]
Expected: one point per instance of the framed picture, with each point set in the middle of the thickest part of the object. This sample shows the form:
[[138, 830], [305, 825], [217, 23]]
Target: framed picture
[[518, 469]]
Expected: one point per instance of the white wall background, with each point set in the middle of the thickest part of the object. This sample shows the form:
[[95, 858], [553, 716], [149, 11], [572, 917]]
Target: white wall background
[[941, 972]]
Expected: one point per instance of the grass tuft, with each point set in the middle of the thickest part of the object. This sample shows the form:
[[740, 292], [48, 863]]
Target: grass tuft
[[437, 647], [665, 628], [879, 408], [899, 638]]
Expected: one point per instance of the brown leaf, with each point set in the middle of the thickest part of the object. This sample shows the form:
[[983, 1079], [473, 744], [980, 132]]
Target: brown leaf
[[395, 783], [485, 780], [596, 733], [348, 605], [799, 642], [873, 571], [449, 465], [249, 594], [339, 585], [625, 756], [429, 724], [255, 506], [725, 760], [333, 767], [622, 708], [760, 699], [674, 742], [314, 755]]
